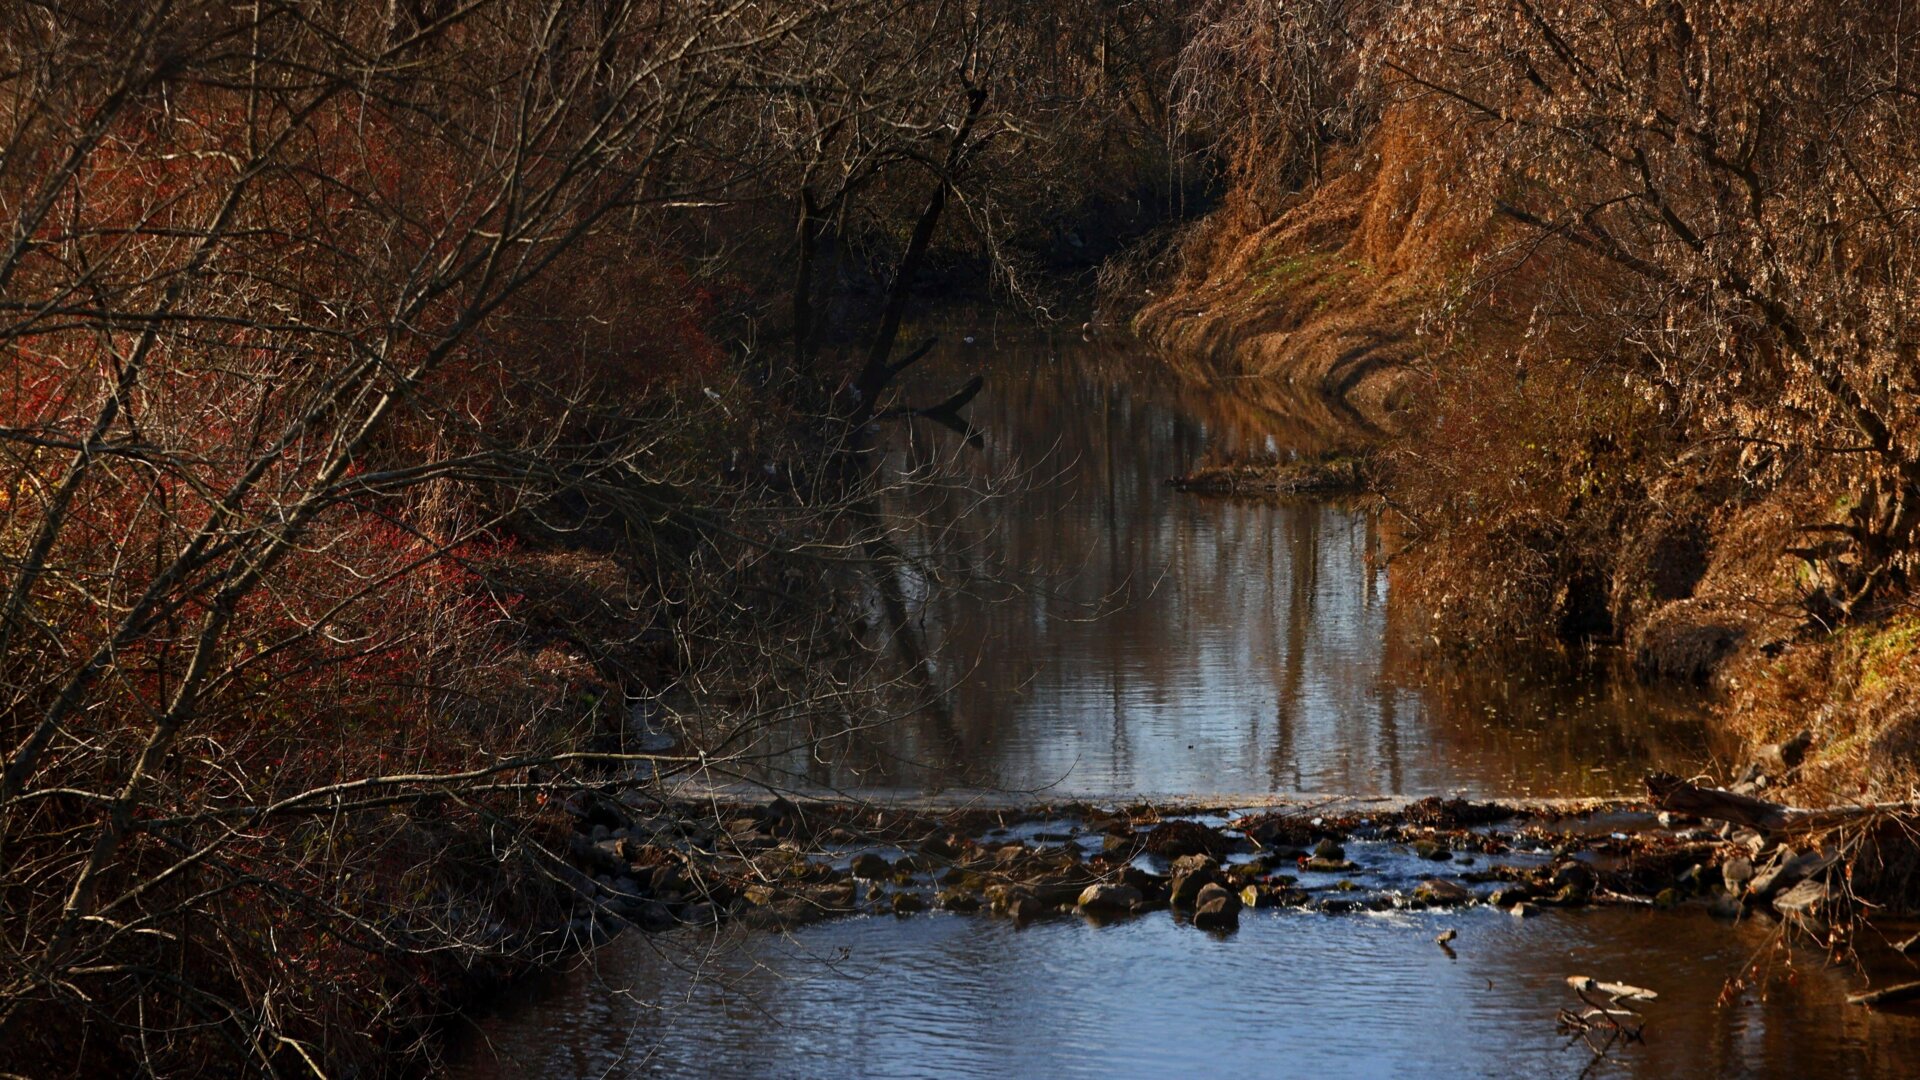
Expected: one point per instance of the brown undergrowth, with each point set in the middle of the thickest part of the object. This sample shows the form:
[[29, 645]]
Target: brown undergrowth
[[1630, 391]]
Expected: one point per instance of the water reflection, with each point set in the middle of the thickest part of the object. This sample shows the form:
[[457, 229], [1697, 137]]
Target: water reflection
[[1171, 644], [1290, 994], [1242, 648]]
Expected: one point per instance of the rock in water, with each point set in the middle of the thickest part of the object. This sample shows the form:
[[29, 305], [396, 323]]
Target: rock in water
[[1438, 892], [1109, 899], [1192, 873], [871, 866], [1329, 850], [1217, 909], [1173, 839]]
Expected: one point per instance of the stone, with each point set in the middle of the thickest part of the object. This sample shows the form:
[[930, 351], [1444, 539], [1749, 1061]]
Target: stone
[[1735, 873], [1328, 866], [1788, 869], [1152, 886], [906, 903], [1191, 873], [1668, 898], [1805, 906], [1334, 905], [1432, 849], [1577, 876], [1329, 850], [1215, 893], [1440, 892], [1003, 898], [1524, 911], [1025, 909], [1173, 839], [871, 866], [1103, 899], [1508, 895], [1218, 909], [958, 900], [1217, 914]]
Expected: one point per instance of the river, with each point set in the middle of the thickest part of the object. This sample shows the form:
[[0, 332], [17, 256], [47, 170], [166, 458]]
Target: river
[[1125, 640]]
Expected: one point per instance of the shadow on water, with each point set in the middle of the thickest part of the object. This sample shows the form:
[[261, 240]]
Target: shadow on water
[[1240, 648]]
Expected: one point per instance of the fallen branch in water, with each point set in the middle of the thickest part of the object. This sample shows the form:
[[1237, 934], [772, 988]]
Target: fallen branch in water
[[1887, 995], [1611, 1022], [1671, 793]]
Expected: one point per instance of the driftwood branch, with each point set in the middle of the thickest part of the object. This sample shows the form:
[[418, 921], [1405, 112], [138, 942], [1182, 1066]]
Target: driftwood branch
[[1887, 995], [1669, 792]]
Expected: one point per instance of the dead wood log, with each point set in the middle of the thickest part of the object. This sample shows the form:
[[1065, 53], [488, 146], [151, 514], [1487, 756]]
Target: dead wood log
[[1888, 995], [1669, 792]]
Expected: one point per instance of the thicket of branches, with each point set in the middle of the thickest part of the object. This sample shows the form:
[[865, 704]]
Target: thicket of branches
[[385, 444], [1669, 347]]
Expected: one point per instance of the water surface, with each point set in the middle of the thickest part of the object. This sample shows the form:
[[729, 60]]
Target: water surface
[[1168, 644], [1135, 640]]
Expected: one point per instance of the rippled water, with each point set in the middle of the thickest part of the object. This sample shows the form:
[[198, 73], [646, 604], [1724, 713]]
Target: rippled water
[[1243, 648], [1291, 994]]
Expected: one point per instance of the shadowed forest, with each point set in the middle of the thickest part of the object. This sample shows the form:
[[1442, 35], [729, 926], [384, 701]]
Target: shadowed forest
[[432, 430]]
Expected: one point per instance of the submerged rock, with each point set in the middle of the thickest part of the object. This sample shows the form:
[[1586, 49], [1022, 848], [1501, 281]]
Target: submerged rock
[[907, 903]]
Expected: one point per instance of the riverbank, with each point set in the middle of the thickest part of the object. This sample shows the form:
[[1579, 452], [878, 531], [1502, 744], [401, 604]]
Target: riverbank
[[1704, 586], [1613, 409]]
